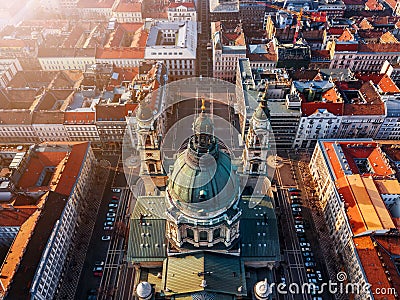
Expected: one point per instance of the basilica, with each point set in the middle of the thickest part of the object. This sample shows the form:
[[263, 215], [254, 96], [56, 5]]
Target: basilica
[[201, 236]]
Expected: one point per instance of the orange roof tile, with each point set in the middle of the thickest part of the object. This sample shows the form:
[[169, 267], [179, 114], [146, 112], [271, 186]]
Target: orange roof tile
[[388, 37], [346, 36], [372, 266], [95, 3], [129, 7], [79, 117], [365, 24], [120, 53], [72, 168], [384, 82]]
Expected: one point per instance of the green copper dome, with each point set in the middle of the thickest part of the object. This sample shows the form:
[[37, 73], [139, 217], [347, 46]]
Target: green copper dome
[[194, 183], [202, 178]]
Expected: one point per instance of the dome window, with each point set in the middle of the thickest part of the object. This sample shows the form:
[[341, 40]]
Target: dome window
[[190, 233], [203, 235]]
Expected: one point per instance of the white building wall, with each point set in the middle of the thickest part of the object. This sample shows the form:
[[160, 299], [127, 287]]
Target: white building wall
[[321, 124], [51, 132], [65, 63]]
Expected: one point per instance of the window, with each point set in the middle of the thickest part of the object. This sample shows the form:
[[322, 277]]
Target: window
[[152, 168], [217, 233], [190, 233], [203, 236]]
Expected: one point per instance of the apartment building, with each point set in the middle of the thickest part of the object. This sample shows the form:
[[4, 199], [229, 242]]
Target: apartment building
[[8, 69], [175, 44], [95, 9], [355, 179], [321, 109], [53, 185], [92, 106], [274, 85], [58, 59], [128, 11], [228, 45], [182, 11]]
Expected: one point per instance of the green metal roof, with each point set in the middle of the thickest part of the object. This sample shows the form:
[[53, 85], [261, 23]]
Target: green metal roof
[[181, 273], [259, 239], [147, 241]]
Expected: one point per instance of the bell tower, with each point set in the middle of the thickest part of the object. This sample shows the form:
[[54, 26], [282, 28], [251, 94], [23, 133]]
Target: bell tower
[[257, 142], [148, 145]]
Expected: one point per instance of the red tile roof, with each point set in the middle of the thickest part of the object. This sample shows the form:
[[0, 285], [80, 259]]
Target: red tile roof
[[308, 108], [378, 47], [129, 7], [120, 53], [95, 3], [15, 215], [335, 30], [178, 4], [373, 104], [384, 82], [72, 168], [37, 162], [346, 36], [79, 117], [372, 266], [110, 112], [346, 47]]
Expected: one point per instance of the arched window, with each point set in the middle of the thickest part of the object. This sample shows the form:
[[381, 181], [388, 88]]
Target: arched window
[[152, 168], [190, 233], [203, 236]]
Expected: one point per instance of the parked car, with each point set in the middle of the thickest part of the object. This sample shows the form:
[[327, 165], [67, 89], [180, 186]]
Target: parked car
[[97, 269], [106, 238], [112, 205], [310, 270], [310, 264], [115, 198], [114, 201], [302, 240], [305, 249], [111, 215], [297, 201], [296, 209], [108, 223], [110, 219], [298, 218], [319, 275], [98, 274], [298, 222], [305, 245], [300, 230], [108, 227], [296, 205], [307, 253], [311, 275], [99, 263], [294, 197], [111, 210], [293, 190], [309, 259], [116, 190], [295, 193], [299, 226]]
